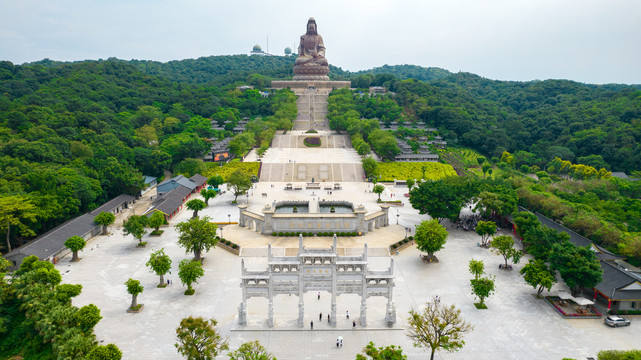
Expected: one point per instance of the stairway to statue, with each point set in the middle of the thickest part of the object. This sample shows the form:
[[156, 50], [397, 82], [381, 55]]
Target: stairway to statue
[[312, 110]]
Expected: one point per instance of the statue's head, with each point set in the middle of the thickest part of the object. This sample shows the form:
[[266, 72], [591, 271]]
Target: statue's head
[[311, 26]]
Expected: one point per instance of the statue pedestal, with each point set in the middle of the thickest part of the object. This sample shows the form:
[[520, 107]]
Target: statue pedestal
[[310, 84]]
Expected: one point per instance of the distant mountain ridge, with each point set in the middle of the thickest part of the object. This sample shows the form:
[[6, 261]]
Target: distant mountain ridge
[[222, 69], [407, 72]]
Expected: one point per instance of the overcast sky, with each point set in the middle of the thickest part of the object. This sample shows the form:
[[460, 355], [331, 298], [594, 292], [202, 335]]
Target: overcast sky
[[591, 41]]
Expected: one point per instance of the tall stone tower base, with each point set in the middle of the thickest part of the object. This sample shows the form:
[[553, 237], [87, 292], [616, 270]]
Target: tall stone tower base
[[300, 85]]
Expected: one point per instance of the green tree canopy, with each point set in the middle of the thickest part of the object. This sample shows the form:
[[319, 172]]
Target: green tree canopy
[[87, 317], [537, 274], [134, 289], [208, 194], [64, 292], [410, 183], [370, 166], [444, 198], [198, 339], [430, 237], [75, 244], [579, 267], [135, 226], [160, 264], [485, 229], [195, 205], [390, 352], [215, 181], [197, 235], [16, 211], [504, 245], [482, 288], [105, 352], [437, 327], [105, 219], [239, 183], [252, 350], [378, 190], [156, 220], [189, 271], [477, 268]]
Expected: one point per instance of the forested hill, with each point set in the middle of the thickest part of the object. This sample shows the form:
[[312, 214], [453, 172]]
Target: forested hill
[[74, 135], [597, 125], [403, 72], [227, 69]]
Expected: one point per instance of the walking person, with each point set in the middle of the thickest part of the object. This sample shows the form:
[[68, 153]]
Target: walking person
[[328, 319], [319, 295], [354, 324], [320, 316], [347, 314], [311, 324], [337, 343]]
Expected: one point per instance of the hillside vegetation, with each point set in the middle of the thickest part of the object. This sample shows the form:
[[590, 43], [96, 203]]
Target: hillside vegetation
[[74, 135]]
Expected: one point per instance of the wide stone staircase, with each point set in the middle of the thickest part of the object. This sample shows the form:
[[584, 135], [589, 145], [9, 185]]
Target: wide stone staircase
[[312, 109]]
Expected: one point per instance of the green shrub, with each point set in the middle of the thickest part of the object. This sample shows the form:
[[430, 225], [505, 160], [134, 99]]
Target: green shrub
[[411, 237], [274, 234], [280, 233], [619, 355], [354, 233], [394, 246], [234, 246], [312, 141]]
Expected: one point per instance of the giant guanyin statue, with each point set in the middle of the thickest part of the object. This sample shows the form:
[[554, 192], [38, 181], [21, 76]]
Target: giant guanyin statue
[[311, 63]]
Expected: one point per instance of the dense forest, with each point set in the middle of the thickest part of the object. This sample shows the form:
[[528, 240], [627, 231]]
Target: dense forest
[[74, 135], [538, 120]]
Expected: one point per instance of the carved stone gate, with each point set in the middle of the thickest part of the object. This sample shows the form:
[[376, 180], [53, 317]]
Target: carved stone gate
[[317, 270]]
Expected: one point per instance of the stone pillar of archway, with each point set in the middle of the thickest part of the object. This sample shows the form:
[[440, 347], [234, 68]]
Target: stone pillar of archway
[[385, 208], [241, 217], [268, 212], [335, 268]]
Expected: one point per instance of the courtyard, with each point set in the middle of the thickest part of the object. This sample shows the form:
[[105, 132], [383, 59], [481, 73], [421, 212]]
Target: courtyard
[[516, 325]]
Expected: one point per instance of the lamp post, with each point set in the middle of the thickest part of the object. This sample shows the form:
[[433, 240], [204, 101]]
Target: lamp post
[[406, 229], [221, 232], [229, 219]]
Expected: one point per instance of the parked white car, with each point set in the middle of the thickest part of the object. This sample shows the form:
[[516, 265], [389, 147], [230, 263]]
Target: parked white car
[[615, 321]]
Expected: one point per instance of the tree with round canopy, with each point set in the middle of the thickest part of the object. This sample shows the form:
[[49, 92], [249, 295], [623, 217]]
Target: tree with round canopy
[[197, 235], [189, 272], [160, 264], [430, 237], [195, 205], [134, 289], [75, 244], [105, 219]]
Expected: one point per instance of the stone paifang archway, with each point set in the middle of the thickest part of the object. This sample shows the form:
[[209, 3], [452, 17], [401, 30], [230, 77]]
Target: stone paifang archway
[[317, 270]]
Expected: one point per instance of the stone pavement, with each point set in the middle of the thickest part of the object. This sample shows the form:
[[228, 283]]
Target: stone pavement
[[289, 160], [516, 325]]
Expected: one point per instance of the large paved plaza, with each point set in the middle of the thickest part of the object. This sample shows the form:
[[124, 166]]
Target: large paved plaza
[[516, 325]]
